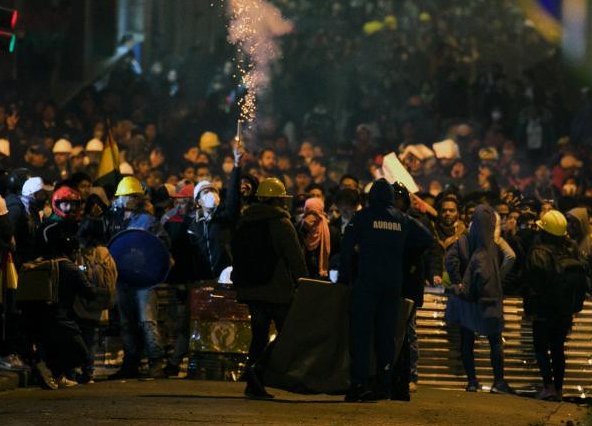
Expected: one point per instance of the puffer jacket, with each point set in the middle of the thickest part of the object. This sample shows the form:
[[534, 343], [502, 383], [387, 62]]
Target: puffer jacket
[[290, 258]]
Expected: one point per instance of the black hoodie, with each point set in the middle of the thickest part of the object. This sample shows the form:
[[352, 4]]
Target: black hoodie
[[380, 234]]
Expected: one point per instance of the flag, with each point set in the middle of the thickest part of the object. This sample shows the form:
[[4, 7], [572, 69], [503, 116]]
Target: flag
[[545, 16], [108, 171]]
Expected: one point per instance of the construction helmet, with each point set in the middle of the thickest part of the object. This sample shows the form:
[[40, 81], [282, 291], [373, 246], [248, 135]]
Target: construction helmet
[[553, 222], [129, 185], [70, 195], [208, 141], [62, 146], [272, 188], [94, 145]]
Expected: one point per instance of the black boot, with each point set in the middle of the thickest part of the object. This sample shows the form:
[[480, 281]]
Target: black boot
[[400, 391], [359, 393], [255, 388]]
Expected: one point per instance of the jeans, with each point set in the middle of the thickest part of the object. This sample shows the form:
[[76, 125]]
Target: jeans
[[182, 332], [137, 312], [88, 332], [496, 354], [550, 336]]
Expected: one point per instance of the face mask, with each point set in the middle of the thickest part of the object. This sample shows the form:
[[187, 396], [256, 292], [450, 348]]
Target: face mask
[[210, 200]]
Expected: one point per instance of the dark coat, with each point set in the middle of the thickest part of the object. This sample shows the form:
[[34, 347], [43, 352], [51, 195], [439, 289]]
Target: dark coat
[[540, 275], [24, 226], [475, 261], [290, 265], [211, 237], [183, 271], [380, 234]]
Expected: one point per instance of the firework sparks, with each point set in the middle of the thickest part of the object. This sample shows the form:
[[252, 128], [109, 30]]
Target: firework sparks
[[254, 26]]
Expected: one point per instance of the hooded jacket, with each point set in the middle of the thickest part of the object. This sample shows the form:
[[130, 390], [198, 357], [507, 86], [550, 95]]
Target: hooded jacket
[[584, 239], [482, 278], [380, 235], [290, 264]]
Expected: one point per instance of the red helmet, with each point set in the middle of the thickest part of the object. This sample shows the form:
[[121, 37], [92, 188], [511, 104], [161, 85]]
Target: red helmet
[[65, 193]]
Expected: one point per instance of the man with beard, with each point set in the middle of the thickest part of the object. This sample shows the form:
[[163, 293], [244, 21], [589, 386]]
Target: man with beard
[[446, 229], [268, 163]]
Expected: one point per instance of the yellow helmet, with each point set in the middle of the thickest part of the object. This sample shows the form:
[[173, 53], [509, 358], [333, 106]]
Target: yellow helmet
[[272, 188], [208, 141], [553, 222], [129, 185]]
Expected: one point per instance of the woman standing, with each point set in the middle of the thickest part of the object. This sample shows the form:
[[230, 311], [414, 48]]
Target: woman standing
[[476, 265], [314, 233]]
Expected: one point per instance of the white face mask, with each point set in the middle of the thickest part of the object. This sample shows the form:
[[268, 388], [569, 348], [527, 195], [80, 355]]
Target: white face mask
[[210, 200]]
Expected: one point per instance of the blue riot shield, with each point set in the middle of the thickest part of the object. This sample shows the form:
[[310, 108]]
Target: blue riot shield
[[142, 259]]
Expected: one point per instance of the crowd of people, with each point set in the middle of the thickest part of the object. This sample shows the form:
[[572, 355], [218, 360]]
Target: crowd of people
[[498, 198]]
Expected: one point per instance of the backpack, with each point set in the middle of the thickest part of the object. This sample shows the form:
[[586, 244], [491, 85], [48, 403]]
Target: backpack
[[101, 271], [39, 281], [571, 281], [250, 244]]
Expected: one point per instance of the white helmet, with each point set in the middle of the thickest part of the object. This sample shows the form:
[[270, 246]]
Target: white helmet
[[126, 169], [94, 145], [62, 146]]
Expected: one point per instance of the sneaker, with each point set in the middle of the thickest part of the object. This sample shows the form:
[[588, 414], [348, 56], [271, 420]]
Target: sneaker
[[548, 394], [84, 378], [125, 373], [473, 386], [359, 393], [47, 380], [502, 387], [12, 362], [64, 382], [172, 370], [156, 372], [255, 388]]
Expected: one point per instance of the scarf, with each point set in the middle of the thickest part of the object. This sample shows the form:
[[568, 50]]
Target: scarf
[[318, 235]]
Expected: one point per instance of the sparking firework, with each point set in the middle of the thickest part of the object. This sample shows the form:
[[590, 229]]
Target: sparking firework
[[254, 27]]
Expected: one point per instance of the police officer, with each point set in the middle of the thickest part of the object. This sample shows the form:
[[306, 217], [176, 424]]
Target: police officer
[[378, 236]]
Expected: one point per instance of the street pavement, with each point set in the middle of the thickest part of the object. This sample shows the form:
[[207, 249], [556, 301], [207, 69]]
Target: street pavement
[[180, 402]]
